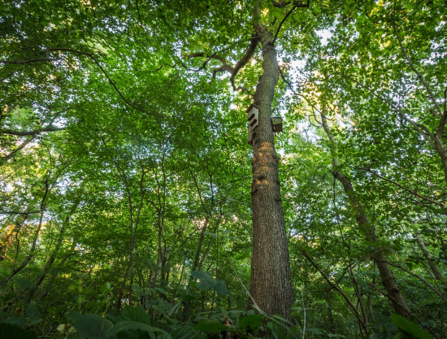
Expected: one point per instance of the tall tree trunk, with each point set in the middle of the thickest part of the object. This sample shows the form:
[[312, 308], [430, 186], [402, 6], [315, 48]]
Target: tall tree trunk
[[439, 146], [398, 301], [196, 264], [429, 259], [332, 326], [161, 209], [49, 284], [123, 285], [270, 285], [52, 256]]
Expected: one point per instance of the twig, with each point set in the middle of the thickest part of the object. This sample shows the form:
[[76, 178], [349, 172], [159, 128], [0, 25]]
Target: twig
[[119, 92]]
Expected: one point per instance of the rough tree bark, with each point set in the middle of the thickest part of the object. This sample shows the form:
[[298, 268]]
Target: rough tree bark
[[270, 286]]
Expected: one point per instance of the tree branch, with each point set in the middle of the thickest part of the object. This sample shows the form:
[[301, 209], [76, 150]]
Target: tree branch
[[10, 155], [91, 56], [202, 54], [21, 62], [417, 276], [283, 20], [225, 67], [246, 58], [404, 188], [119, 92], [45, 129], [441, 125]]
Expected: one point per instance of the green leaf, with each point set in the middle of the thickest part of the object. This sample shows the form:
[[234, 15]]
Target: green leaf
[[409, 327], [202, 275], [184, 332], [207, 281], [33, 314], [25, 283], [159, 289], [210, 326], [138, 289], [133, 325], [19, 321], [187, 297], [93, 326], [163, 306], [131, 313], [245, 255], [73, 315], [106, 287], [253, 321], [9, 331], [220, 287]]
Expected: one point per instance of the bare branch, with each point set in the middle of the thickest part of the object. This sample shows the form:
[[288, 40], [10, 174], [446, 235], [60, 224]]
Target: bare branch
[[201, 54], [225, 67], [10, 155], [246, 58], [45, 129]]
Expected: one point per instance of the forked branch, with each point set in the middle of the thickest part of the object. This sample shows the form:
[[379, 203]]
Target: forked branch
[[227, 68]]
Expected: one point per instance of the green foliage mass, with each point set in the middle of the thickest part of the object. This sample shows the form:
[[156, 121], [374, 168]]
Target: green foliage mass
[[125, 172]]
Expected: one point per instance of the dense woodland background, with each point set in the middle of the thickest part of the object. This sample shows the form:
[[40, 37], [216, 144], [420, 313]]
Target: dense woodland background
[[125, 172]]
